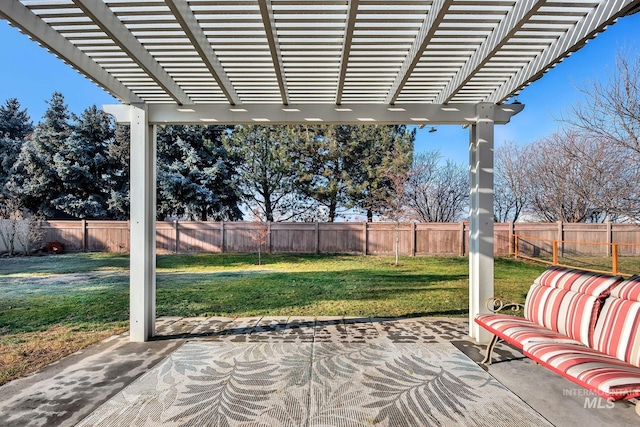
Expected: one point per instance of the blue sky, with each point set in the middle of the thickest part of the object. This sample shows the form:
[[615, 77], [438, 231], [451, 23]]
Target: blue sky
[[31, 74]]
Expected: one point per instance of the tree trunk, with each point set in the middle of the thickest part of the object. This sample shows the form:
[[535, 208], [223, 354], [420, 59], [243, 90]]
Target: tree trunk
[[397, 241], [332, 210], [268, 208]]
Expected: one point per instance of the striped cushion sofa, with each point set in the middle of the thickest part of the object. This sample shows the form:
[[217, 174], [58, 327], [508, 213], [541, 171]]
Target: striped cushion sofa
[[584, 326]]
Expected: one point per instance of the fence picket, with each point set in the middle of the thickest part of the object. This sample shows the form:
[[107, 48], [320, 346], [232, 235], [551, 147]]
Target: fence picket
[[373, 238]]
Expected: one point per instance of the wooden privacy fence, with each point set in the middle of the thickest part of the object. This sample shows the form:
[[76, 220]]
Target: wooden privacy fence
[[326, 237]]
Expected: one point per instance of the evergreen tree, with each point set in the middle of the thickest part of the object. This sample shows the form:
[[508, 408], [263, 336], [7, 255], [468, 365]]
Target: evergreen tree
[[381, 148], [267, 172], [328, 157], [194, 174], [81, 166], [35, 174], [15, 127], [116, 179], [14, 122]]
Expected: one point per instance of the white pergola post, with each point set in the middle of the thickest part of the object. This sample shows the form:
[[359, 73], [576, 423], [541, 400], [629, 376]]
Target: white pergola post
[[142, 285], [481, 217]]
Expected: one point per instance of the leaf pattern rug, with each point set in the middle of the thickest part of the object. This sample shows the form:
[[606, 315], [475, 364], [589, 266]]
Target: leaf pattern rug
[[206, 383]]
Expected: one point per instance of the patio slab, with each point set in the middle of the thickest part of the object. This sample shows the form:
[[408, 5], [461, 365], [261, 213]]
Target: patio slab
[[66, 392]]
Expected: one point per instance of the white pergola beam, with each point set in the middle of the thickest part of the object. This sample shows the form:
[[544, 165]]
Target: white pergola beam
[[37, 29], [481, 267], [184, 15], [266, 10], [142, 219], [515, 19], [416, 114], [574, 39], [352, 12], [108, 22], [436, 15]]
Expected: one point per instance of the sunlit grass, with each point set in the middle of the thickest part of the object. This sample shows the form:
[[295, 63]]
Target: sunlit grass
[[52, 306]]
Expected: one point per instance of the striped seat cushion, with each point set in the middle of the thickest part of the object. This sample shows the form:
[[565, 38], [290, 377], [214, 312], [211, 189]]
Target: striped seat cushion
[[602, 374], [617, 332], [567, 301], [519, 331]]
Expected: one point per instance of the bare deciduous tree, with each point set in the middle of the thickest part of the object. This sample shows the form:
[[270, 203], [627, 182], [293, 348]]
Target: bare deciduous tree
[[610, 113], [19, 232], [396, 207], [611, 109], [259, 234], [437, 192], [510, 188], [573, 177]]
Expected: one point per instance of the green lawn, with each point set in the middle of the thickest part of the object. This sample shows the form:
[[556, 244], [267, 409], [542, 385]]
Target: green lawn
[[54, 305]]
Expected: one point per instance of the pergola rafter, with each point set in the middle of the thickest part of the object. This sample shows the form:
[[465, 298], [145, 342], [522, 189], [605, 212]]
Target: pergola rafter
[[269, 23], [108, 22], [432, 21], [588, 27], [198, 38], [31, 24], [513, 22], [352, 11]]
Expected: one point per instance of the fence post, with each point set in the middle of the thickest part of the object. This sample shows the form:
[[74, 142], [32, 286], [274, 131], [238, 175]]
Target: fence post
[[221, 237], [511, 238], [365, 237], [555, 252], [176, 227], [609, 239], [614, 258], [516, 252], [462, 239], [413, 238], [268, 237], [561, 234], [84, 235], [317, 230]]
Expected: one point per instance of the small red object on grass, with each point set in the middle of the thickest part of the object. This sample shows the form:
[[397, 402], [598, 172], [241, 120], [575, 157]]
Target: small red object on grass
[[54, 247]]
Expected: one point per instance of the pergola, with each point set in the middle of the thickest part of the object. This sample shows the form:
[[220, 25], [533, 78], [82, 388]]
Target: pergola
[[311, 61]]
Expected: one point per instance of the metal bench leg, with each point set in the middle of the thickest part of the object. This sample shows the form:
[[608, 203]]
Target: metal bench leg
[[487, 357]]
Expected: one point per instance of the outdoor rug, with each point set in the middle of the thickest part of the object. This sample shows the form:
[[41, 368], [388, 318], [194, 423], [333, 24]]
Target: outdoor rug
[[315, 384]]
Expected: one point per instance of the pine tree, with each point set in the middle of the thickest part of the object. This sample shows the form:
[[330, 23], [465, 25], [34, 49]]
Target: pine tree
[[328, 156], [14, 122], [267, 172], [116, 179], [81, 166], [380, 147], [194, 174], [15, 127], [35, 175]]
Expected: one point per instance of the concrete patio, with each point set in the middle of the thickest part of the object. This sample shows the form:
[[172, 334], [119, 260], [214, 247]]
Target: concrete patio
[[67, 391]]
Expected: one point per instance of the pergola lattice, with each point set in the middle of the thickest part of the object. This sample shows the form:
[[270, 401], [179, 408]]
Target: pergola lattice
[[319, 61]]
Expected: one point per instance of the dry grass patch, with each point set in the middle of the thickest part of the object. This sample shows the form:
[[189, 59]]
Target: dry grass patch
[[25, 353]]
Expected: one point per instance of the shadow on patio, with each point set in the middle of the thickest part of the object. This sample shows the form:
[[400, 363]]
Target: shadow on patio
[[302, 371]]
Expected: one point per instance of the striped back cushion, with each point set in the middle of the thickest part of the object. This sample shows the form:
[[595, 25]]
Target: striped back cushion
[[566, 312], [568, 301], [585, 282], [617, 332], [629, 289]]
